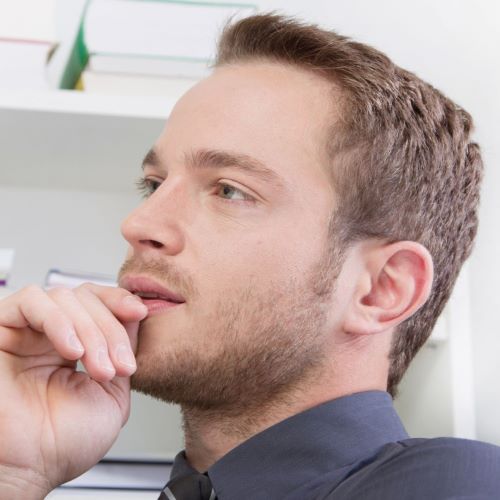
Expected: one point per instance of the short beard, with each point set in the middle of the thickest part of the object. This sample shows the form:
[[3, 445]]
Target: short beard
[[256, 349]]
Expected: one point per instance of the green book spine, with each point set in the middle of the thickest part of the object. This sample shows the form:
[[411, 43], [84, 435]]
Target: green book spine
[[77, 60]]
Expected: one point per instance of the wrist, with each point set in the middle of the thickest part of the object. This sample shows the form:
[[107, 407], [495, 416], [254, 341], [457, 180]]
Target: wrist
[[22, 484]]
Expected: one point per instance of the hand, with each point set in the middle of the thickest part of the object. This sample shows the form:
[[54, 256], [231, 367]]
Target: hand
[[55, 422]]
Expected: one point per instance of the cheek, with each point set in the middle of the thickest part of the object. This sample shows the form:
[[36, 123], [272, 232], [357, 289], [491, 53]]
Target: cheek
[[259, 263], [277, 249]]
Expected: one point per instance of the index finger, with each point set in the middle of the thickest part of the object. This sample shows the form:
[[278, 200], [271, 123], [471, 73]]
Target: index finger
[[32, 307], [123, 304]]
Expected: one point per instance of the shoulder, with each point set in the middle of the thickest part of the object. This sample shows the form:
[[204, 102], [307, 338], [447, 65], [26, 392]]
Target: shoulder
[[442, 468], [459, 451]]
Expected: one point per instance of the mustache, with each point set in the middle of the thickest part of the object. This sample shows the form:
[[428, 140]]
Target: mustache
[[177, 280]]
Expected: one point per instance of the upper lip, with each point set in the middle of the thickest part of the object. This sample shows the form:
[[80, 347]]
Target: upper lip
[[136, 284]]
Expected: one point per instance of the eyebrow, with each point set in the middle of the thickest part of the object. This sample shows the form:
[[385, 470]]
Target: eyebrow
[[151, 158], [215, 158]]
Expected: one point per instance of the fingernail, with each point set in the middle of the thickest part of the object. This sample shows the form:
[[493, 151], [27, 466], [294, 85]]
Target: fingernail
[[74, 343], [133, 301], [104, 361], [125, 356]]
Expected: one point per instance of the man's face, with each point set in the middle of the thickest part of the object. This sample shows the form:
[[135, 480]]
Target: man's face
[[247, 249]]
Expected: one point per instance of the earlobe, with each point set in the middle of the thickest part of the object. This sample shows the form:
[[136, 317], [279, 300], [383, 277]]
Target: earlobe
[[395, 282]]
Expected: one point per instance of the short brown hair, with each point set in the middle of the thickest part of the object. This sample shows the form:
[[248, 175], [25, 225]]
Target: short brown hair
[[402, 162]]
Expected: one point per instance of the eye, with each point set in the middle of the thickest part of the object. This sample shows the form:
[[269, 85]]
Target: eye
[[147, 187], [230, 193]]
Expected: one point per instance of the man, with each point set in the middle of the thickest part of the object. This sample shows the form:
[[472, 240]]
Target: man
[[308, 208]]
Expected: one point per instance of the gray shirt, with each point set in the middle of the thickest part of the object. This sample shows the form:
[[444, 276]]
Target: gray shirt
[[354, 447]]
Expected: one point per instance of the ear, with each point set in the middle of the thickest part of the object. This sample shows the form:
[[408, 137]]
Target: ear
[[394, 282]]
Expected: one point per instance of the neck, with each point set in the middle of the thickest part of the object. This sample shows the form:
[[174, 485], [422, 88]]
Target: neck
[[211, 434]]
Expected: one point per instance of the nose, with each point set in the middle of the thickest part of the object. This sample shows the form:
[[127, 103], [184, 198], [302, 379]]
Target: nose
[[156, 224]]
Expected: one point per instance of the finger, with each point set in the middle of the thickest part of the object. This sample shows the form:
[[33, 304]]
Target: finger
[[132, 330], [96, 358], [119, 387], [124, 305], [115, 334], [32, 307]]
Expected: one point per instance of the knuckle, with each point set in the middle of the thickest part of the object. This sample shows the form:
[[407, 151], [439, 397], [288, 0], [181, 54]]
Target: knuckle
[[32, 289], [111, 326], [90, 334], [88, 286], [60, 292], [56, 317], [93, 288]]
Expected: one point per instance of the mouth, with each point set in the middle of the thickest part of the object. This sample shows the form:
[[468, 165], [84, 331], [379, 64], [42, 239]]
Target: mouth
[[157, 305], [154, 296]]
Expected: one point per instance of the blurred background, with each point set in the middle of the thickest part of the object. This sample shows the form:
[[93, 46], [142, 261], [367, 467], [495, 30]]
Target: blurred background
[[84, 91]]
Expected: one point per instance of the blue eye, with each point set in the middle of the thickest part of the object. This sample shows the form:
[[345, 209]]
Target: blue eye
[[226, 191], [146, 187]]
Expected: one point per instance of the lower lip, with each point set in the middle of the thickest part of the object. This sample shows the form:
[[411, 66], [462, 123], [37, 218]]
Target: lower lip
[[156, 306]]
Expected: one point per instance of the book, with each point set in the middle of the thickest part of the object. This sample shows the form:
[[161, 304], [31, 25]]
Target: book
[[71, 56], [157, 28], [23, 64], [124, 84], [101, 494], [126, 474], [72, 279], [118, 479], [146, 37], [151, 66], [122, 74], [26, 43]]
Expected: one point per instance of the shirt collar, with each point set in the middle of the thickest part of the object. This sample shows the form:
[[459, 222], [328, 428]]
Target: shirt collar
[[322, 441]]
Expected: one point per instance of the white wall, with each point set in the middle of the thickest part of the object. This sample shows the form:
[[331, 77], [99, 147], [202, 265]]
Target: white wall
[[455, 45]]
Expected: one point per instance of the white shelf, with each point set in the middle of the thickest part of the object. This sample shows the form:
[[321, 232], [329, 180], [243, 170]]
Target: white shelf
[[73, 140], [75, 102]]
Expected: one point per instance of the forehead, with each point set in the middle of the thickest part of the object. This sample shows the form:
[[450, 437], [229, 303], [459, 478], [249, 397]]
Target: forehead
[[279, 114]]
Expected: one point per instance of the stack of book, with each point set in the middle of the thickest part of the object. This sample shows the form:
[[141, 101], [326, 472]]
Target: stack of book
[[118, 479], [27, 41], [72, 279], [141, 47]]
